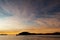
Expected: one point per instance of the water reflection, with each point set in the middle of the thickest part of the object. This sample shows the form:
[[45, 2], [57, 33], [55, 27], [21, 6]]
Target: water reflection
[[28, 38]]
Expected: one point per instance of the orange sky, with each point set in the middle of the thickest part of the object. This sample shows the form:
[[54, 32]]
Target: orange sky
[[41, 30]]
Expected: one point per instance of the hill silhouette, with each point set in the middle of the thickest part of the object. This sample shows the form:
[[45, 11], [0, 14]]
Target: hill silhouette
[[27, 33]]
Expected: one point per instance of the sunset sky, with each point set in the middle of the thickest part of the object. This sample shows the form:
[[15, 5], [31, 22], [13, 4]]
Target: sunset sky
[[39, 16]]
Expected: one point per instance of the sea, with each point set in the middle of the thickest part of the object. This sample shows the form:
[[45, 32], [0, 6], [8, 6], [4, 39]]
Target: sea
[[31, 37]]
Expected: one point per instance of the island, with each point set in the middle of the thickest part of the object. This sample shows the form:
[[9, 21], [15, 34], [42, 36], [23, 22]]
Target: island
[[3, 34], [27, 33]]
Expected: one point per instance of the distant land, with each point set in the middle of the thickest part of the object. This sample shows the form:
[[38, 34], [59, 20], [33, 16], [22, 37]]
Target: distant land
[[3, 34], [27, 33]]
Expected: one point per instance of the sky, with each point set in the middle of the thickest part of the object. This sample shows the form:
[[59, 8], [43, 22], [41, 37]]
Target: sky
[[38, 16]]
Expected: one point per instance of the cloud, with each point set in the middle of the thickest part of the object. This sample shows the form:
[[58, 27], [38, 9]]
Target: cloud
[[48, 22], [33, 14], [4, 13]]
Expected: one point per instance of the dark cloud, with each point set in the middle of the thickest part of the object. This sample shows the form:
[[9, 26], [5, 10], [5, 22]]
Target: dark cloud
[[41, 8], [46, 8]]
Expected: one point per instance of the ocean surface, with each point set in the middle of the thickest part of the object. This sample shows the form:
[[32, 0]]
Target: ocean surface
[[31, 37]]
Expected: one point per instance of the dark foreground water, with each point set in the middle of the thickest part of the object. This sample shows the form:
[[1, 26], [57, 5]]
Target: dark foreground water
[[31, 37]]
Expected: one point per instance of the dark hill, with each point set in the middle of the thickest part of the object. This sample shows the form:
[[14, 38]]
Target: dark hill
[[27, 33]]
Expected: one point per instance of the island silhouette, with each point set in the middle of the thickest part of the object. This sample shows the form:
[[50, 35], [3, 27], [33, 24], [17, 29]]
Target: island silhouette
[[27, 33], [3, 34]]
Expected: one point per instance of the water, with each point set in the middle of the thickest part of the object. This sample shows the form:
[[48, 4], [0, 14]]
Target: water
[[31, 37]]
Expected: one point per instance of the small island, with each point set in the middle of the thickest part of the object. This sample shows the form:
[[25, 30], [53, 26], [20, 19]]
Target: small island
[[3, 34]]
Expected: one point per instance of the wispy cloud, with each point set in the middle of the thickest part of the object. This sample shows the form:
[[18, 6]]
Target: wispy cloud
[[25, 14]]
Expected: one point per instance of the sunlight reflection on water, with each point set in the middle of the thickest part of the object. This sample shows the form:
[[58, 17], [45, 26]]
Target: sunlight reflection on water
[[30, 37]]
